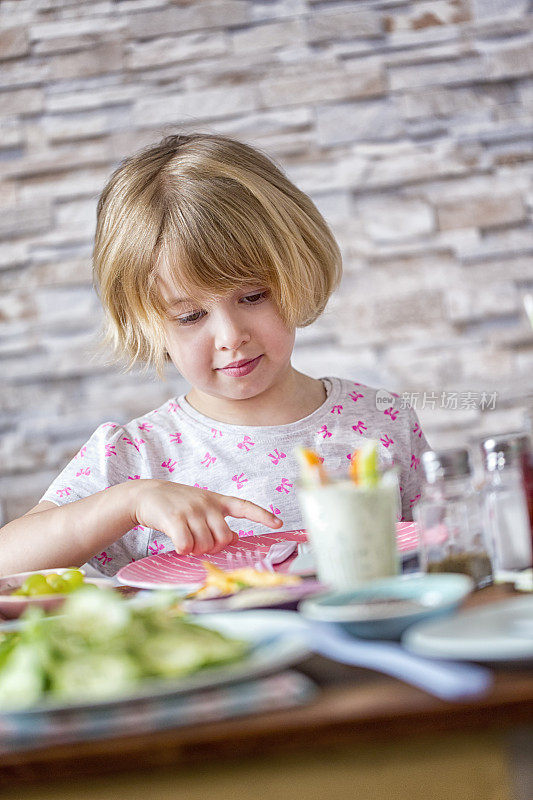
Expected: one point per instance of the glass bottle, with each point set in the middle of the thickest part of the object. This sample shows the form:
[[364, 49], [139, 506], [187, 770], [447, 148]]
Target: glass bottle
[[507, 520], [449, 516]]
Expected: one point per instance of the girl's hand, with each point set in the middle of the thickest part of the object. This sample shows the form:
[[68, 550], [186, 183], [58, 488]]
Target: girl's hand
[[193, 518]]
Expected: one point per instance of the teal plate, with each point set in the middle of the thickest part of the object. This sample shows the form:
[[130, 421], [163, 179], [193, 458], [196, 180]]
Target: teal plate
[[385, 608]]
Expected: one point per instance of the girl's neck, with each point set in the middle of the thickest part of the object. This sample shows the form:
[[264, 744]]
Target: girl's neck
[[297, 397]]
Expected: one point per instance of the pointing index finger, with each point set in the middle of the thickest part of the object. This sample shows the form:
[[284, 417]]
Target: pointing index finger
[[245, 509]]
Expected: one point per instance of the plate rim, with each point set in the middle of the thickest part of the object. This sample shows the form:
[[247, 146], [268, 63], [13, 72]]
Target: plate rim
[[467, 649], [140, 584], [293, 647]]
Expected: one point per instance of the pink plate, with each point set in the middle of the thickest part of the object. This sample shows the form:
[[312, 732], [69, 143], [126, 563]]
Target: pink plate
[[12, 605], [171, 569]]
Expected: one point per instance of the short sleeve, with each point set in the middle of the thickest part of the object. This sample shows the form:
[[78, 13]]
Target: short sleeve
[[107, 458], [412, 479]]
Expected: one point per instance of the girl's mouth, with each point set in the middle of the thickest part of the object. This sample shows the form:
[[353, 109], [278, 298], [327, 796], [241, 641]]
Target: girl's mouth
[[240, 368]]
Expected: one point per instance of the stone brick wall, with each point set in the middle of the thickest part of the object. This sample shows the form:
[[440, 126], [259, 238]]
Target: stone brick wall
[[409, 124]]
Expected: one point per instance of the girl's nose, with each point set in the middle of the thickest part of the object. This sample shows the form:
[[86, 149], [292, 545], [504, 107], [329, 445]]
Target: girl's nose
[[230, 334]]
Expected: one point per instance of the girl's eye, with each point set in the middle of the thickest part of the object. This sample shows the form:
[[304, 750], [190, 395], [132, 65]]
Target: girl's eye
[[256, 297], [190, 319]]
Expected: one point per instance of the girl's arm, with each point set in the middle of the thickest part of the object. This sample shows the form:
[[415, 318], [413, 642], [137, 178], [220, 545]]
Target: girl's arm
[[69, 535]]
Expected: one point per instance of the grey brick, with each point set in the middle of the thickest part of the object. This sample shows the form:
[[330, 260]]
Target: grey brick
[[23, 219]]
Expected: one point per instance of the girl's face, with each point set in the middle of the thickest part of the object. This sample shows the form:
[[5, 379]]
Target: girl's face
[[234, 347]]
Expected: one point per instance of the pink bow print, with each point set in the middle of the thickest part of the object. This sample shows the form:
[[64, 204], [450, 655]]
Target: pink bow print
[[103, 558], [169, 465], [246, 533], [175, 437], [209, 459], [336, 409], [360, 427], [64, 492], [283, 487], [246, 444], [324, 431], [240, 480], [155, 547], [355, 396], [172, 406], [391, 412], [276, 456], [417, 429], [110, 450], [216, 433], [85, 471], [145, 426], [386, 440], [414, 462], [133, 477], [274, 510]]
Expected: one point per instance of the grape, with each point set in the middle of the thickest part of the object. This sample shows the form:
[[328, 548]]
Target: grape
[[36, 584], [73, 579], [56, 583]]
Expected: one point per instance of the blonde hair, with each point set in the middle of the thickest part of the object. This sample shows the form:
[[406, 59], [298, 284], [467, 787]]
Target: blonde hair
[[221, 215]]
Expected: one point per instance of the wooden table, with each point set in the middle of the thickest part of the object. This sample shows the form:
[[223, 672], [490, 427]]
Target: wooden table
[[365, 735]]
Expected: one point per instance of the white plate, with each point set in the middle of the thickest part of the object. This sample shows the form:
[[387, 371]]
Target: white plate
[[277, 640], [497, 632]]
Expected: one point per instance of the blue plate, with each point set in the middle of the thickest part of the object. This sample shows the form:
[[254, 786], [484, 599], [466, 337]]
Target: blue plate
[[385, 608]]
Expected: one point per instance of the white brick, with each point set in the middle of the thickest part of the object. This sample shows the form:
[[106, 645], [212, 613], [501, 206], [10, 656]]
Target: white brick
[[208, 104], [269, 36], [390, 219], [188, 18], [165, 50], [344, 23], [333, 84], [77, 27], [453, 73], [351, 122], [498, 9]]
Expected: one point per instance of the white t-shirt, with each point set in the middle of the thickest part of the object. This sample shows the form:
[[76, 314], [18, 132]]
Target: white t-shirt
[[177, 443]]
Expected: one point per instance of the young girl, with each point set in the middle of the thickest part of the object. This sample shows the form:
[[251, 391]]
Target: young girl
[[207, 255]]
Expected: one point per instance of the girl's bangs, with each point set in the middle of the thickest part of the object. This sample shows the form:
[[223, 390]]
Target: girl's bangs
[[214, 260]]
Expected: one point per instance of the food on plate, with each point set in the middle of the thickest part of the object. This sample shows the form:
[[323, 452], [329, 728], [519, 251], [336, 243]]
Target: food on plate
[[63, 582], [219, 583], [103, 646]]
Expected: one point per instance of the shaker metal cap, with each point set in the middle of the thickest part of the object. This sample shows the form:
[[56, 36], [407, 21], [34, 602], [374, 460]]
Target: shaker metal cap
[[504, 449], [446, 463]]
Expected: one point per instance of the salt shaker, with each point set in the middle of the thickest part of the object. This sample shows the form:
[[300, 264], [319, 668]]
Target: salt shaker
[[450, 519], [505, 501]]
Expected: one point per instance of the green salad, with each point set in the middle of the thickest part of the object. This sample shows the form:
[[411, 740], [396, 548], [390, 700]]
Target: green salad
[[101, 646]]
